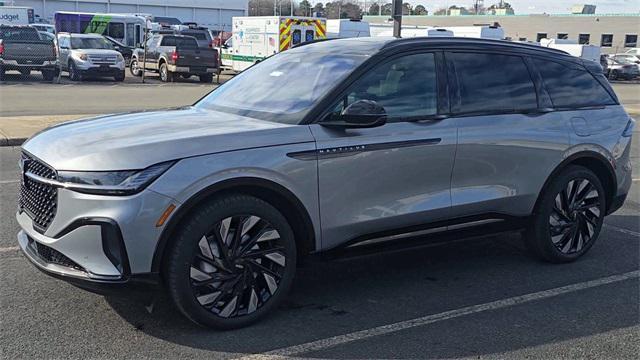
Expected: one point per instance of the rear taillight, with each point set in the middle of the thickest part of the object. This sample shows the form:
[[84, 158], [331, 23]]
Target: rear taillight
[[1, 49], [212, 44], [55, 50], [174, 56]]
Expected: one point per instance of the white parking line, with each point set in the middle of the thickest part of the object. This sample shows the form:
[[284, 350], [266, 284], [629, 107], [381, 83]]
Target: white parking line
[[430, 319], [9, 181], [9, 249], [622, 230]]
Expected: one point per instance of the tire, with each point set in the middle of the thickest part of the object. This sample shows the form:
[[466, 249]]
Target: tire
[[165, 74], [250, 286], [25, 72], [74, 73], [207, 78], [2, 74], [120, 76], [614, 75], [48, 75], [134, 68], [568, 217], [186, 76]]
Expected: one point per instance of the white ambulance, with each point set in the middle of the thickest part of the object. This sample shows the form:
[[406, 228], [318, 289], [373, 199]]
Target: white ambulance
[[258, 37]]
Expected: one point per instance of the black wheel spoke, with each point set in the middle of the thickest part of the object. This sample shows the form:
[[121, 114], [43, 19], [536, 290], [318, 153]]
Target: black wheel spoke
[[261, 268]]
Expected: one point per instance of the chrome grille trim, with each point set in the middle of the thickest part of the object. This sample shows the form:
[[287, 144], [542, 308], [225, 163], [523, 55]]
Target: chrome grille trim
[[38, 200]]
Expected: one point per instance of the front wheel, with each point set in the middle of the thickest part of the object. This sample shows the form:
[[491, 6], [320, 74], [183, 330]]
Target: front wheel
[[120, 76], [74, 73], [134, 68], [569, 216], [232, 262]]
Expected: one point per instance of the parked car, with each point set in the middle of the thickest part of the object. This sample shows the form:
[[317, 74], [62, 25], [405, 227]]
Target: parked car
[[48, 28], [628, 59], [617, 70], [604, 63], [320, 147], [124, 50], [89, 55], [22, 49], [175, 55], [201, 34], [633, 51]]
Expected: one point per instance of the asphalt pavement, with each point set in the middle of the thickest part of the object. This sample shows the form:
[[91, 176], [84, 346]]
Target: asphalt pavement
[[477, 298]]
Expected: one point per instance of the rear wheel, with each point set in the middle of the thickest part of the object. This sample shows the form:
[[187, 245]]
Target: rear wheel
[[2, 74], [232, 263], [48, 75], [207, 78], [165, 74], [569, 216]]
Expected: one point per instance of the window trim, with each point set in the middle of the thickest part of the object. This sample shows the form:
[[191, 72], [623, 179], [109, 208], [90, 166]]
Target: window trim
[[456, 98], [538, 38], [555, 108], [325, 106], [625, 40], [602, 38], [588, 38], [566, 36]]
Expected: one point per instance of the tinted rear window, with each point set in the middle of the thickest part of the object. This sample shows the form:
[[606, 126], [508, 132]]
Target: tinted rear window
[[179, 42], [197, 35], [571, 86], [19, 34], [493, 83]]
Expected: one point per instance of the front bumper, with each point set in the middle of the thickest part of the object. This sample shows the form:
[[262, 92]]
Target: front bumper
[[101, 71]]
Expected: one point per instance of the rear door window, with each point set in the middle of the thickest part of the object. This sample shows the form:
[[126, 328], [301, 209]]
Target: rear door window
[[492, 83], [571, 85]]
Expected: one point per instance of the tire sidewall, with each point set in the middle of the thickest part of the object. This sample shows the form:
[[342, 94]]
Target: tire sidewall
[[541, 224], [183, 251], [136, 72]]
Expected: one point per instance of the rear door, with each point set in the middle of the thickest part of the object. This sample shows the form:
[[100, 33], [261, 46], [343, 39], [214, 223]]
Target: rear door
[[393, 176], [508, 141]]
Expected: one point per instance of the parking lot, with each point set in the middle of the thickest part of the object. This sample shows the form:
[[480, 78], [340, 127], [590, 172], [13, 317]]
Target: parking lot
[[473, 298]]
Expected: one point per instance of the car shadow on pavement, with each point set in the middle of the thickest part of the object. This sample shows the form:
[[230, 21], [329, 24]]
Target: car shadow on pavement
[[346, 295]]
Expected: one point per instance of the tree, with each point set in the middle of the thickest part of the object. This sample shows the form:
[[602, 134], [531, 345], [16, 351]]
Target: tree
[[260, 7], [319, 9], [305, 8], [502, 5], [387, 9], [374, 9], [342, 10], [420, 10], [407, 9]]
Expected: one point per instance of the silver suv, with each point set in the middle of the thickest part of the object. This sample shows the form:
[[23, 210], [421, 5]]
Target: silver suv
[[320, 147]]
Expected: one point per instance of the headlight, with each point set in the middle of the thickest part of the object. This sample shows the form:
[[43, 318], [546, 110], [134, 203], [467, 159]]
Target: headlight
[[112, 182], [120, 58], [83, 57]]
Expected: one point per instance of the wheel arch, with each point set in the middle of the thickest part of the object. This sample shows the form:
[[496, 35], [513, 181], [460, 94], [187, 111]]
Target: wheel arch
[[593, 161], [277, 195]]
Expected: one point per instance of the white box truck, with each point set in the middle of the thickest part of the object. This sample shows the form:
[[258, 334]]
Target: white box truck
[[258, 37], [347, 28], [412, 31], [481, 32], [16, 15]]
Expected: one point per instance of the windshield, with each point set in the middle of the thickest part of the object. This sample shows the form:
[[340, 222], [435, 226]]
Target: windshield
[[282, 88], [90, 43]]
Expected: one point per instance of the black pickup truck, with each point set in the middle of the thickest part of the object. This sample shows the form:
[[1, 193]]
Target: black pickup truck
[[22, 49], [175, 55]]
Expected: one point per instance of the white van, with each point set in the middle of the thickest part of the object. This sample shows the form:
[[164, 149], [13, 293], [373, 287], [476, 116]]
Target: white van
[[482, 32], [415, 32], [587, 52], [347, 28]]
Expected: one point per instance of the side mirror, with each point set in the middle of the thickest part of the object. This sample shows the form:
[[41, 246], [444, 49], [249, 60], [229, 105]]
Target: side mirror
[[116, 48], [360, 114]]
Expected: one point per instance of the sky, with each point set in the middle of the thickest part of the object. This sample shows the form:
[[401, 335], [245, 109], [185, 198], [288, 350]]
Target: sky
[[538, 6]]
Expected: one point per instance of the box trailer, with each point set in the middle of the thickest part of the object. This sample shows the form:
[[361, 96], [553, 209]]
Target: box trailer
[[258, 37]]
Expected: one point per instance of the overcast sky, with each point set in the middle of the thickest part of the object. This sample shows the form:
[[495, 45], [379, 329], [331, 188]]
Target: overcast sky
[[538, 6]]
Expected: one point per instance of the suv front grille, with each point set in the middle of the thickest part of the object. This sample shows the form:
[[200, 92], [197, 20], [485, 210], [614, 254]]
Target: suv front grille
[[38, 200], [103, 59]]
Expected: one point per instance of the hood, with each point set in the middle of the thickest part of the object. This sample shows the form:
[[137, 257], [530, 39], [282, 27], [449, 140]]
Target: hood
[[137, 140], [96, 51]]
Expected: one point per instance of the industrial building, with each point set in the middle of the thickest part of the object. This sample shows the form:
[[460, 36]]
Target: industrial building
[[215, 14], [613, 32]]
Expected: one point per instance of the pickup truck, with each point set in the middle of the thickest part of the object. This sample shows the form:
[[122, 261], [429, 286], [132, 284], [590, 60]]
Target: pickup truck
[[22, 49], [175, 55]]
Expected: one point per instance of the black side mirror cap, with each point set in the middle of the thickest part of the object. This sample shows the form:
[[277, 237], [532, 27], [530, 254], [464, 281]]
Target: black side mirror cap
[[360, 114]]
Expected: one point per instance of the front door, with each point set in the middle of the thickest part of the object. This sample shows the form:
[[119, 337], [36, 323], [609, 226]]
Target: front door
[[395, 176]]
